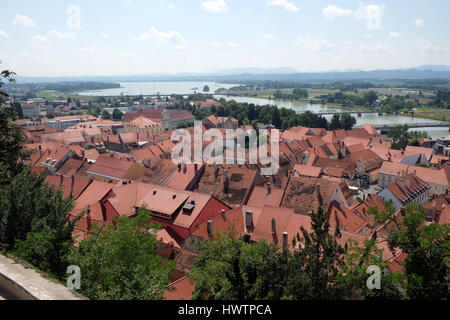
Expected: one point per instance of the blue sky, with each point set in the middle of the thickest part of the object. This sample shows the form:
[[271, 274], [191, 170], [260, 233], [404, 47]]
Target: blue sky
[[115, 37]]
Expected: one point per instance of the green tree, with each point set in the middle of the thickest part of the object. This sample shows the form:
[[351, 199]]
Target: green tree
[[347, 121], [316, 262], [120, 263], [335, 122], [11, 136], [428, 248], [400, 137], [34, 220], [117, 114], [231, 269], [206, 88], [105, 114]]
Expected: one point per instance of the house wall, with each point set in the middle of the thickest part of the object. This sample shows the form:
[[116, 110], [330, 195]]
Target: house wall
[[387, 195]]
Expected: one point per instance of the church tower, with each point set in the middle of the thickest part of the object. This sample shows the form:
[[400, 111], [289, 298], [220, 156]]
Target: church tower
[[166, 121]]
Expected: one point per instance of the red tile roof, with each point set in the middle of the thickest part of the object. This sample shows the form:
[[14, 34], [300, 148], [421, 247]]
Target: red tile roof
[[108, 167]]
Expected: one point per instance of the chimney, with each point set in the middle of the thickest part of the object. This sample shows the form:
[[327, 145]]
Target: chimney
[[210, 227], [319, 196], [196, 167], [225, 175], [184, 168], [274, 224], [415, 172], [374, 236], [88, 217], [216, 172], [249, 219], [269, 188], [285, 240], [72, 182], [226, 185], [179, 167], [224, 215]]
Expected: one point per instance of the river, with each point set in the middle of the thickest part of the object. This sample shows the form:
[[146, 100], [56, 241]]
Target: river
[[186, 88], [372, 118], [154, 88]]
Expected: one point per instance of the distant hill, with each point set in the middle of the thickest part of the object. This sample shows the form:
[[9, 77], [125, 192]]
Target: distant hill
[[274, 74], [441, 67]]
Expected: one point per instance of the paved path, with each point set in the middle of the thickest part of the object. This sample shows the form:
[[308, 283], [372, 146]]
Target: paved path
[[31, 283]]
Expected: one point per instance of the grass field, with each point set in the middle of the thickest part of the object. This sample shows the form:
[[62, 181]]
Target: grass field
[[433, 114]]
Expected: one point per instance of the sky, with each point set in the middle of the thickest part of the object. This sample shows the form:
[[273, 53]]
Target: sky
[[123, 37]]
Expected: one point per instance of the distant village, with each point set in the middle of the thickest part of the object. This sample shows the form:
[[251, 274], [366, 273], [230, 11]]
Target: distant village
[[113, 167]]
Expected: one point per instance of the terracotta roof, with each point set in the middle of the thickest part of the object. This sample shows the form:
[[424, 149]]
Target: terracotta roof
[[143, 154], [315, 141], [70, 185], [370, 129], [181, 289], [92, 195], [393, 168], [428, 152], [346, 220], [355, 148], [381, 144], [307, 171], [371, 159], [333, 172], [260, 196], [285, 221], [406, 187], [142, 122], [431, 175], [444, 217], [69, 165], [358, 133], [241, 181], [110, 167], [301, 194], [233, 220], [345, 164], [156, 115]]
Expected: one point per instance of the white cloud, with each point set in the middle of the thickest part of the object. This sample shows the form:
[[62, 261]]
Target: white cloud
[[61, 34], [24, 21], [38, 40], [171, 6], [232, 44], [267, 37], [283, 4], [160, 36], [4, 34], [379, 47], [331, 12], [315, 44], [218, 6], [427, 47], [371, 13], [105, 35], [393, 35], [419, 22], [368, 35]]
